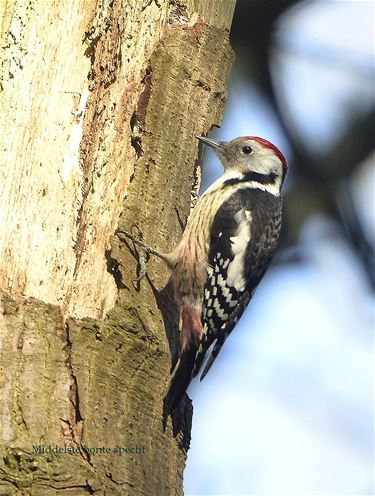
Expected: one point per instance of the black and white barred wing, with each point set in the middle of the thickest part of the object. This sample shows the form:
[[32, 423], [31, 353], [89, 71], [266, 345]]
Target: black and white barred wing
[[243, 238], [225, 292]]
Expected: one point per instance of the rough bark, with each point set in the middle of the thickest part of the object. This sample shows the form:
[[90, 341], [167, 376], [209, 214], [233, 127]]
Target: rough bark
[[100, 103]]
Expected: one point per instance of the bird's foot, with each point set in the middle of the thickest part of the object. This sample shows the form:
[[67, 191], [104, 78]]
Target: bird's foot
[[143, 254]]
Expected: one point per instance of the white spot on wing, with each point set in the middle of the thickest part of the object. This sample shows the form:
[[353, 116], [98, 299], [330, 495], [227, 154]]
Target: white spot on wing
[[240, 240], [220, 281], [221, 313], [228, 299], [226, 293]]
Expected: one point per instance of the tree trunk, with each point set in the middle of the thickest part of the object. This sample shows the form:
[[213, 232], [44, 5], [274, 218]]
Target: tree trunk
[[100, 104]]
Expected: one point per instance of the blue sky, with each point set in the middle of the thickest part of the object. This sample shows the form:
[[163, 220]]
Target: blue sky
[[287, 408]]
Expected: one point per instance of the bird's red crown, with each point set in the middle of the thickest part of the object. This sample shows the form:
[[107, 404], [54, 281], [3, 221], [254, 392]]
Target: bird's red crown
[[271, 146]]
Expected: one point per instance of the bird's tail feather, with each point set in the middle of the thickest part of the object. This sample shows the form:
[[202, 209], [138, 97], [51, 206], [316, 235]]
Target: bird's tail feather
[[215, 351], [180, 380]]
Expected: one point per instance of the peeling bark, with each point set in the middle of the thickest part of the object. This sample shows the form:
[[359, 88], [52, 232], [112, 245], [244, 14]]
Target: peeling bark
[[100, 103]]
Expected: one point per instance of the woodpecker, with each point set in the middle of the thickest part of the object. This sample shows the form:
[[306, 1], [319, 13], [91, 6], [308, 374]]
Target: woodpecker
[[225, 249]]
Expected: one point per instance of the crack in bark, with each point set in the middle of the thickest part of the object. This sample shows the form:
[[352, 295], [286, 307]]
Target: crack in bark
[[76, 422], [138, 118], [86, 487], [144, 98], [20, 369], [76, 425]]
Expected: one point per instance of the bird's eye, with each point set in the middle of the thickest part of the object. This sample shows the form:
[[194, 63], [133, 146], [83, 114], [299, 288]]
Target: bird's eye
[[246, 150]]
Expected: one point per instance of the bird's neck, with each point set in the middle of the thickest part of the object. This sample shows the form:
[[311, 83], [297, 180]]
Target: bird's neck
[[232, 180]]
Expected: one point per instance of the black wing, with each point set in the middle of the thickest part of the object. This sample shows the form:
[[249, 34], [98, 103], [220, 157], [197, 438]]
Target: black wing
[[247, 225]]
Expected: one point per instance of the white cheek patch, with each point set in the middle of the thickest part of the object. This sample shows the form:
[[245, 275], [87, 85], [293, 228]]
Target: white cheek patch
[[235, 275]]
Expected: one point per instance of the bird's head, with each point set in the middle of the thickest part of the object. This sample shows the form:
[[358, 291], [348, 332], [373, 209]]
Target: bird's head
[[250, 154]]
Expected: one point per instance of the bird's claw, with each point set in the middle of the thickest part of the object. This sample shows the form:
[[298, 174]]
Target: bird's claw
[[142, 271], [142, 250]]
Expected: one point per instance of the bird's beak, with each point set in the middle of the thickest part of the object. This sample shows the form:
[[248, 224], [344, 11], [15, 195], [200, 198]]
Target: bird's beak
[[211, 142]]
